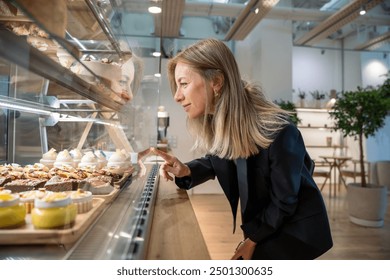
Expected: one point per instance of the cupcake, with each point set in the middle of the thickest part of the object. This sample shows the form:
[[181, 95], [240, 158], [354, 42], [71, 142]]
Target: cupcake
[[28, 197], [77, 156], [102, 160], [82, 199], [63, 159], [49, 158], [12, 212], [89, 161], [118, 162], [54, 210]]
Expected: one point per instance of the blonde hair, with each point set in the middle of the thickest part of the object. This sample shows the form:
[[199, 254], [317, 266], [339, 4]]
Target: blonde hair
[[239, 121]]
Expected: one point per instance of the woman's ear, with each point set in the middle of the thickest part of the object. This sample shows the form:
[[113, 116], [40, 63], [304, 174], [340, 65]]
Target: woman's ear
[[218, 83]]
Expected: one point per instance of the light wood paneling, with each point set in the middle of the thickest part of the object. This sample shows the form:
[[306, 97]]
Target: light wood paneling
[[351, 242]]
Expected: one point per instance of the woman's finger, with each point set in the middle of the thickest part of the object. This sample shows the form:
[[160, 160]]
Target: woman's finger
[[164, 173], [144, 153], [162, 154]]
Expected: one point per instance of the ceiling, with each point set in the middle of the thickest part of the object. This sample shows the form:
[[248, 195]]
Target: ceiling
[[315, 23]]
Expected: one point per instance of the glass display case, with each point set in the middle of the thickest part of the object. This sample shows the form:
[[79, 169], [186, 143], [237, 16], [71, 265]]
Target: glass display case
[[66, 79], [66, 82]]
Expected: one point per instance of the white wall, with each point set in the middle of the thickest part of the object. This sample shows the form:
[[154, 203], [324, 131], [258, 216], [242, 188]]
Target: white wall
[[374, 66], [265, 57]]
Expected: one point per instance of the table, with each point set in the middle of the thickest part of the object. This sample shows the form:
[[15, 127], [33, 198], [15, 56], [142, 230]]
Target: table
[[335, 163]]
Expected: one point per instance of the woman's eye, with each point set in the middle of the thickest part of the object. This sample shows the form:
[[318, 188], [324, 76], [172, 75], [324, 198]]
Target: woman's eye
[[183, 84]]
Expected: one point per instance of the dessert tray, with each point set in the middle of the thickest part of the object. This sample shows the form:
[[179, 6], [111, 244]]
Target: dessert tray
[[119, 184], [27, 234], [108, 197]]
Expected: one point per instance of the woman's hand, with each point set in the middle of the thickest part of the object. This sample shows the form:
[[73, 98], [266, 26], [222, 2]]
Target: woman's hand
[[144, 153], [171, 165], [244, 250]]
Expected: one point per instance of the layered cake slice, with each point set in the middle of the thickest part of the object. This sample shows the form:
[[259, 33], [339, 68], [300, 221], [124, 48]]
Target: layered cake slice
[[23, 185], [61, 184]]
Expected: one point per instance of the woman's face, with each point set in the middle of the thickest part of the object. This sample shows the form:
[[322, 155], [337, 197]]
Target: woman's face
[[192, 90]]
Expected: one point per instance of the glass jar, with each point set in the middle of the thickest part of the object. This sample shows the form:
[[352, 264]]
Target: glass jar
[[55, 210], [12, 212]]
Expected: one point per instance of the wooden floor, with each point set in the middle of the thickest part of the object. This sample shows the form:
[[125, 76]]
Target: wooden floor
[[351, 242]]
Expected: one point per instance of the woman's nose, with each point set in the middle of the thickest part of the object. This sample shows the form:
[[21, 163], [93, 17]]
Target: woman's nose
[[179, 96]]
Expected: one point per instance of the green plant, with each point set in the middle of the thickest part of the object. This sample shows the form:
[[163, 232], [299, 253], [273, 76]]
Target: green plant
[[317, 95], [385, 89], [289, 106], [301, 94], [360, 114]]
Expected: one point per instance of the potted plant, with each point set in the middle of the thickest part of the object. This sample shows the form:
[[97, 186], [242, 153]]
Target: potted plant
[[301, 95], [385, 88], [289, 106], [360, 114], [317, 96]]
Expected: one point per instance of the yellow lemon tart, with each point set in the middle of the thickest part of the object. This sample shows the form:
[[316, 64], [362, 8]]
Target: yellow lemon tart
[[54, 210], [12, 212]]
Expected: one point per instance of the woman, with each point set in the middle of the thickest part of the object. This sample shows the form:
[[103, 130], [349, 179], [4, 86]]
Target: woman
[[256, 153]]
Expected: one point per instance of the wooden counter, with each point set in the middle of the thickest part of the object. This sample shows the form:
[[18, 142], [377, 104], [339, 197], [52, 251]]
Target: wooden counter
[[175, 232]]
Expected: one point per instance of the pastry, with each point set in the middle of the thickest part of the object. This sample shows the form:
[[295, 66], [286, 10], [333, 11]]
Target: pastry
[[82, 199], [36, 171], [12, 212], [49, 158], [54, 210], [61, 184], [4, 190], [22, 185], [102, 160], [77, 155], [97, 186], [63, 159], [28, 197], [4, 180], [89, 161], [118, 162]]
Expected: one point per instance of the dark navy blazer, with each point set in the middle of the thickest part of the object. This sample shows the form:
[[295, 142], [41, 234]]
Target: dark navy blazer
[[282, 195]]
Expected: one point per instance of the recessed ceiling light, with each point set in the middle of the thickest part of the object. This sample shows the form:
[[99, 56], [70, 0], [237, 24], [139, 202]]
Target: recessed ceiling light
[[154, 10], [156, 54], [158, 75]]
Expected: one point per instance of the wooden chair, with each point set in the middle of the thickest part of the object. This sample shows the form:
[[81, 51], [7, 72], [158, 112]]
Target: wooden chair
[[351, 169], [322, 169]]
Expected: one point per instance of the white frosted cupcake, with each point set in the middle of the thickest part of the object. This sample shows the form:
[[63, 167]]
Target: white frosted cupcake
[[49, 158], [118, 163], [102, 160], [82, 199], [77, 155], [63, 159], [89, 161]]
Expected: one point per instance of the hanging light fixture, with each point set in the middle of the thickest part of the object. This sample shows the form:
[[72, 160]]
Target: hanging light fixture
[[155, 8], [362, 11]]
